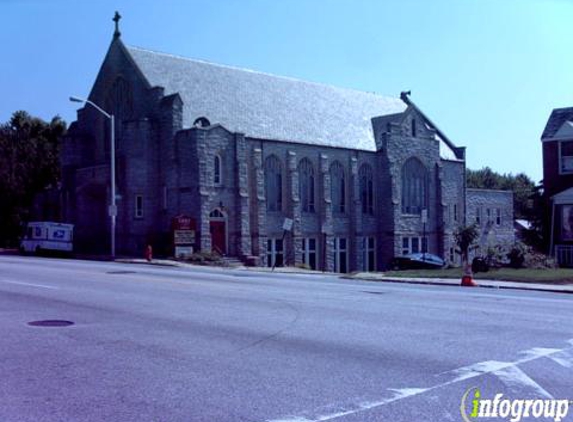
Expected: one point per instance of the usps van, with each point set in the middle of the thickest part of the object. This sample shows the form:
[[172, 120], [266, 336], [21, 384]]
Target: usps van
[[47, 236]]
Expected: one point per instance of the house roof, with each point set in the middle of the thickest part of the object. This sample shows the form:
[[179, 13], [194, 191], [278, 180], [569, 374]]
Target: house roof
[[266, 106], [558, 117], [563, 197], [523, 224]]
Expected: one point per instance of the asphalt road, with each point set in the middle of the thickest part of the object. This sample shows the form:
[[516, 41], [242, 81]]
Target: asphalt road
[[211, 345]]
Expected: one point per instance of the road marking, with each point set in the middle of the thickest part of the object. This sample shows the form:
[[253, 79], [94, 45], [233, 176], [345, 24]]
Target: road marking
[[21, 283], [507, 371], [565, 359], [515, 377]]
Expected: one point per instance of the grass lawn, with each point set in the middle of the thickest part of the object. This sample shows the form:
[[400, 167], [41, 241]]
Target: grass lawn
[[552, 276]]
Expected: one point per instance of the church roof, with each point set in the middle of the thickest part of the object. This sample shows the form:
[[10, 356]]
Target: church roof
[[558, 117], [266, 106]]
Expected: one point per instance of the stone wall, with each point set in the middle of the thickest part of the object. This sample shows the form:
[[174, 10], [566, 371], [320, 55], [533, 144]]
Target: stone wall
[[492, 211]]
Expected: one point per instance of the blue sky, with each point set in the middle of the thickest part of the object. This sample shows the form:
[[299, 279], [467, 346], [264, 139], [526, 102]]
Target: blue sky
[[488, 72]]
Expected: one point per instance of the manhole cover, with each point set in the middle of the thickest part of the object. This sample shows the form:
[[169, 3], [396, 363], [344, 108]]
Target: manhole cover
[[51, 323], [120, 272]]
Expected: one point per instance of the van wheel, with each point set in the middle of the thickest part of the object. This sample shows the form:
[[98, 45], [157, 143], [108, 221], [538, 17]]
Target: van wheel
[[38, 250]]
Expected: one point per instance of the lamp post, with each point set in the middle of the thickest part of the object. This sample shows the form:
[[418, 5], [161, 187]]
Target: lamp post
[[112, 206]]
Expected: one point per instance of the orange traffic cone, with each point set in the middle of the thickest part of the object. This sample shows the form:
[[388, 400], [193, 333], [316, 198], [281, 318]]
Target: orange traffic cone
[[467, 279]]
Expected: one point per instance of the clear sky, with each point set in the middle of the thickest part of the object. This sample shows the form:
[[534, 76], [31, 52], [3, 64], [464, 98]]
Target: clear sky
[[487, 72]]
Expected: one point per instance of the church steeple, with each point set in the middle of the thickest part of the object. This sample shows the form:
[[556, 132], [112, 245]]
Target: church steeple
[[116, 19]]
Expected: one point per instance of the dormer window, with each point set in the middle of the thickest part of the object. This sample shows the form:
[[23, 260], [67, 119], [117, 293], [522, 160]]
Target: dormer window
[[566, 157], [201, 122]]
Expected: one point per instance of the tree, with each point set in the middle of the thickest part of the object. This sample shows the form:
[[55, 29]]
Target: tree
[[465, 238], [29, 162]]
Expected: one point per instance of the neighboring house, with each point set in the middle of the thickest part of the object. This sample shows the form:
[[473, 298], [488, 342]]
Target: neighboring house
[[557, 139], [238, 151]]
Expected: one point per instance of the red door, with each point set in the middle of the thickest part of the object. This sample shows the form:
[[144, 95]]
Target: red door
[[218, 243]]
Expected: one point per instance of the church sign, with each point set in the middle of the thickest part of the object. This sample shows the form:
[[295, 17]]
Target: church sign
[[184, 229]]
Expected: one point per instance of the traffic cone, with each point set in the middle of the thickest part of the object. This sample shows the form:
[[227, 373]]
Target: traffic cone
[[467, 280]]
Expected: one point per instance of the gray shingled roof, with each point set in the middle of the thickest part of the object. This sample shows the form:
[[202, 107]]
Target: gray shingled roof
[[556, 120], [267, 106]]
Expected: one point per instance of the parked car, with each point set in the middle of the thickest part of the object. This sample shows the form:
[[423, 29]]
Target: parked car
[[418, 260], [45, 236]]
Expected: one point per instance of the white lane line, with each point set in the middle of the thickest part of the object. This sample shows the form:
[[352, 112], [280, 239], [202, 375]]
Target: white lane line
[[564, 359], [506, 369], [492, 366], [515, 377], [21, 283]]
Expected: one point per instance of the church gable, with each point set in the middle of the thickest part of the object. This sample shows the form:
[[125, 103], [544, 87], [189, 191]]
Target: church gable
[[120, 87], [414, 125]]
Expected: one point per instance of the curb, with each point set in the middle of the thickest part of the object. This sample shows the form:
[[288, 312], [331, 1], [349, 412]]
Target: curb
[[157, 264], [455, 284]]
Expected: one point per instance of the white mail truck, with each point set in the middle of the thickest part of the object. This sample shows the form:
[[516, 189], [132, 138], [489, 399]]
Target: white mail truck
[[43, 236]]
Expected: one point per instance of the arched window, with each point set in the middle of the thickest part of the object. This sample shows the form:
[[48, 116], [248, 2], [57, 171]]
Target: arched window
[[414, 187], [217, 170], [306, 185], [414, 129], [366, 178], [217, 214], [273, 183], [337, 188]]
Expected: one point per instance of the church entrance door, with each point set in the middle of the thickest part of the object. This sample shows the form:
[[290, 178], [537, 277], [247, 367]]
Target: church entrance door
[[218, 229]]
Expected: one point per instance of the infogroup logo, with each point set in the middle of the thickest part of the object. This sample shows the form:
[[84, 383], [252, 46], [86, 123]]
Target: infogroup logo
[[475, 407]]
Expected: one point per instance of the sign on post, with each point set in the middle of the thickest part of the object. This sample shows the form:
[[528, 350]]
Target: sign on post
[[287, 225], [184, 229]]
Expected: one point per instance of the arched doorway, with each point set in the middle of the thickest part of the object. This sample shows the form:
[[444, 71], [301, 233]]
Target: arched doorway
[[218, 229]]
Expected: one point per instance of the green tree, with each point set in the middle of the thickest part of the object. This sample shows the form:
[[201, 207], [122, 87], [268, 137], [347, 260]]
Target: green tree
[[465, 237], [29, 162]]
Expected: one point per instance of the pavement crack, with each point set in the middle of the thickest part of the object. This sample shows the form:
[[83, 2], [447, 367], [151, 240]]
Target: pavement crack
[[276, 333]]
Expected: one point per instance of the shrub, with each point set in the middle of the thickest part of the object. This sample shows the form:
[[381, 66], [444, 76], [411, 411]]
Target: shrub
[[516, 257], [203, 257], [522, 255]]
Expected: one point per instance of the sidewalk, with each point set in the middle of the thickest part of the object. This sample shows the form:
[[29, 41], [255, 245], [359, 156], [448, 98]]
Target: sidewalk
[[377, 277], [492, 284], [173, 263]]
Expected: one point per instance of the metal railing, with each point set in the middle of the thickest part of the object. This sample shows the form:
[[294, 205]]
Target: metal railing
[[564, 255]]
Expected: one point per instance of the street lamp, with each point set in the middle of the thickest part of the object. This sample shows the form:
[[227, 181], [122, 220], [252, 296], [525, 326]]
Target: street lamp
[[113, 206]]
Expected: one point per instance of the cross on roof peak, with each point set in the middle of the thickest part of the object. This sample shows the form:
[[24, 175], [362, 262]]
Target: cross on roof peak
[[116, 19]]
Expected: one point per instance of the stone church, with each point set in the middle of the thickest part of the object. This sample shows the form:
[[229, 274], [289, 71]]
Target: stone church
[[363, 177]]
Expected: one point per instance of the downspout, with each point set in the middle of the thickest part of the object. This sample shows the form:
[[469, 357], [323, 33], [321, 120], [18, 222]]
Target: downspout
[[551, 245]]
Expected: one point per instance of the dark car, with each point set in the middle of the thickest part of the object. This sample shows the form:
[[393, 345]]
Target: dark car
[[418, 260]]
